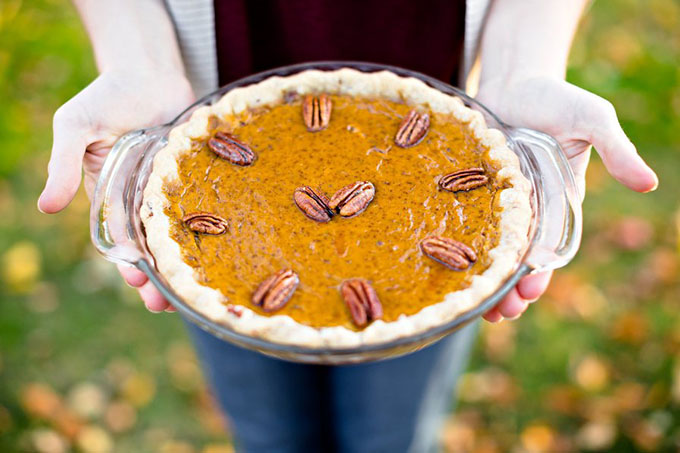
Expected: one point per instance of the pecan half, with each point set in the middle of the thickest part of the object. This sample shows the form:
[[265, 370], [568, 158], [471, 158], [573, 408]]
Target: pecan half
[[362, 301], [353, 199], [314, 205], [229, 148], [465, 180], [276, 290], [205, 222], [412, 129], [316, 111], [449, 252]]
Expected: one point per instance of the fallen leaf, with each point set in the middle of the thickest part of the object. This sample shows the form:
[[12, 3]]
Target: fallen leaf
[[457, 437], [630, 327], [44, 298], [39, 400], [209, 414], [120, 416], [87, 400], [666, 13], [565, 399], [489, 384], [646, 435], [592, 373], [596, 435], [67, 422], [21, 266], [631, 233], [118, 370], [139, 389], [94, 439], [499, 340], [538, 438], [619, 45], [185, 372], [48, 441], [630, 396], [665, 265], [597, 408]]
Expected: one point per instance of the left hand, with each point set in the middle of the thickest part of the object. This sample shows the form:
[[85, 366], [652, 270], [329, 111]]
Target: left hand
[[577, 119]]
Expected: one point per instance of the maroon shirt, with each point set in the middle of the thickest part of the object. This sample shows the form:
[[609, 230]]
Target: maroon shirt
[[423, 35]]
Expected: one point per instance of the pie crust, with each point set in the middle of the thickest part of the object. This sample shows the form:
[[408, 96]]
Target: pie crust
[[513, 201]]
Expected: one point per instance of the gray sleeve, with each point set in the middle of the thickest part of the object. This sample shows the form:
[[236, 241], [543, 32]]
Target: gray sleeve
[[194, 22]]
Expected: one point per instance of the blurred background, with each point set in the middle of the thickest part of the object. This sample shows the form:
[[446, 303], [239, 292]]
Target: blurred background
[[592, 366]]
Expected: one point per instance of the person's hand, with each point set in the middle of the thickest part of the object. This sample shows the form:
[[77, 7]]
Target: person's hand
[[87, 126], [577, 119]]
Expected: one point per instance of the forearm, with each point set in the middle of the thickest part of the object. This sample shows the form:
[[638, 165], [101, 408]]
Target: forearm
[[528, 38], [131, 34]]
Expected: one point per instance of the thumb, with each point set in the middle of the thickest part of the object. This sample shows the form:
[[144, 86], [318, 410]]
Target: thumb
[[65, 166], [618, 153]]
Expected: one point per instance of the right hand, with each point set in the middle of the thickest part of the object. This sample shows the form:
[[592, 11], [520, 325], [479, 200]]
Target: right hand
[[87, 126]]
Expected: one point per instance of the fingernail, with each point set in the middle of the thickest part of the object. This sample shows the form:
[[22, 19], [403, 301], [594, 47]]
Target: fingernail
[[154, 311], [38, 205], [656, 183]]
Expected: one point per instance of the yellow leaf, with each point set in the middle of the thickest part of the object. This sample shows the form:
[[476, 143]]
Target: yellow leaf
[[538, 438], [94, 439], [21, 265], [139, 389]]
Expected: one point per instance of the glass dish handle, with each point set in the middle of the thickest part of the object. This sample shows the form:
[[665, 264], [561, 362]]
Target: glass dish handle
[[558, 201], [110, 230]]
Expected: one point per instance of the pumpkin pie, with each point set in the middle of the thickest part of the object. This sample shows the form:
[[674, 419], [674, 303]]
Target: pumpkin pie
[[336, 209]]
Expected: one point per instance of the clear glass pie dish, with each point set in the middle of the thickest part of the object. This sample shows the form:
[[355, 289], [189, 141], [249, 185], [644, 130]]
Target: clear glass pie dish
[[554, 234]]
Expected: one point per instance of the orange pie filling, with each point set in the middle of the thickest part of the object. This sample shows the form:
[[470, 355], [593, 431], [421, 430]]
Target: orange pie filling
[[262, 231]]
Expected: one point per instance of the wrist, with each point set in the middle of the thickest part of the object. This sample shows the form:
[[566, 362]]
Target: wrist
[[499, 81], [494, 89]]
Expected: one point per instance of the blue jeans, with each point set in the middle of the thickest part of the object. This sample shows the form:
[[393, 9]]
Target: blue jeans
[[275, 406]]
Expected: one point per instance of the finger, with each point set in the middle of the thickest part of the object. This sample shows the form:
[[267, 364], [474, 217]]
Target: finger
[[512, 305], [170, 309], [133, 277], [493, 316], [532, 287], [153, 300], [618, 153], [64, 168]]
